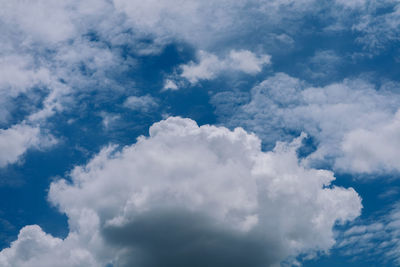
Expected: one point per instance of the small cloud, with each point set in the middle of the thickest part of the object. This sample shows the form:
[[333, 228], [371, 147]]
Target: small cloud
[[109, 119], [284, 39], [389, 193], [16, 140], [170, 85], [209, 66], [144, 103]]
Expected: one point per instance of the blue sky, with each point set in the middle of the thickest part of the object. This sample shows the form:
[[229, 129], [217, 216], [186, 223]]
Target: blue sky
[[199, 133]]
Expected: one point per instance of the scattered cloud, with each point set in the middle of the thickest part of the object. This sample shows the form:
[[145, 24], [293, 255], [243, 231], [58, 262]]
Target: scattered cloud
[[109, 119], [377, 239], [353, 123], [15, 141], [209, 66], [144, 103], [379, 31], [208, 186], [170, 85], [324, 64]]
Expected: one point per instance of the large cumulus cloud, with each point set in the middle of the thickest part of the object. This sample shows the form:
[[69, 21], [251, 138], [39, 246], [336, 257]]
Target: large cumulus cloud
[[189, 195]]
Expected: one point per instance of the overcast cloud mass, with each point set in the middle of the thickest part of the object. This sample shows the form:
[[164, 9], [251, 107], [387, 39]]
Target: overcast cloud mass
[[199, 133]]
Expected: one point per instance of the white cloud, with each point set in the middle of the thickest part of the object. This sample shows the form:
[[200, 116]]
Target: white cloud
[[179, 19], [18, 76], [39, 20], [322, 65], [247, 61], [210, 66], [170, 85], [376, 24], [109, 119], [207, 23], [144, 103], [34, 248], [377, 238], [367, 150], [17, 73], [346, 119], [207, 190], [42, 51], [352, 3], [45, 42], [16, 140]]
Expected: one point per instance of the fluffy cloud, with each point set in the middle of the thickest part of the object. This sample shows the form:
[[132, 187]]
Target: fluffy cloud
[[39, 20], [141, 103], [35, 248], [209, 66], [15, 141], [189, 195], [377, 148], [42, 60], [181, 19], [351, 121]]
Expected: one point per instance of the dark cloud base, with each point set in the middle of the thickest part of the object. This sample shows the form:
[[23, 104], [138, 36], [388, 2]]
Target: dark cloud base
[[181, 239]]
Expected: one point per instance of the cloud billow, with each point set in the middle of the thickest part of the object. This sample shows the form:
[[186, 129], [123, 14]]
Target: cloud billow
[[190, 195], [353, 122]]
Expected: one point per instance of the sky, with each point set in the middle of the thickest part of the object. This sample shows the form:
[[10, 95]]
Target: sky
[[199, 133]]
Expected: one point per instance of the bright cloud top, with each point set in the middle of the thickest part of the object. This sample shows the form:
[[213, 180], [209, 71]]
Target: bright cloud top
[[193, 190]]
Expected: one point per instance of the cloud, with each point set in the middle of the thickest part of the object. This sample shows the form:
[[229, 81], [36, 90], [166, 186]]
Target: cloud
[[42, 61], [189, 195], [207, 24], [36, 248], [379, 30], [323, 65], [16, 140], [144, 103], [40, 20], [352, 3], [367, 150], [18, 76], [68, 48], [170, 85], [351, 121], [375, 238], [19, 73], [209, 66], [109, 119]]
